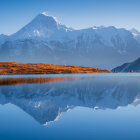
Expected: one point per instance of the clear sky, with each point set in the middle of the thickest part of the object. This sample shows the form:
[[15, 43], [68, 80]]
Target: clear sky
[[14, 14]]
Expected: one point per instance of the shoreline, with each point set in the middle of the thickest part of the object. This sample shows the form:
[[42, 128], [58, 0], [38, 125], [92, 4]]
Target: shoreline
[[14, 68]]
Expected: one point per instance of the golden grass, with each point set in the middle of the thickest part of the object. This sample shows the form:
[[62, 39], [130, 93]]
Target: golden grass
[[7, 68]]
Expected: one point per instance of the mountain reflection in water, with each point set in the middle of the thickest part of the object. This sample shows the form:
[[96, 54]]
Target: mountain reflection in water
[[48, 100]]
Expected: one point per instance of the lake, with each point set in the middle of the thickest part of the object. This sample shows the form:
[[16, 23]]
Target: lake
[[70, 107]]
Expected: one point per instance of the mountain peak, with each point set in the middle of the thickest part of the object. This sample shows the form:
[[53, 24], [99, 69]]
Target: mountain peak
[[42, 25], [44, 13]]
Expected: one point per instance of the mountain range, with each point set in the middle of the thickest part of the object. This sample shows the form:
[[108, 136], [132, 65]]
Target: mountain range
[[46, 40]]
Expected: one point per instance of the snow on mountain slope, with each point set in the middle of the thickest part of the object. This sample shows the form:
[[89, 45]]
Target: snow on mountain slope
[[42, 25], [136, 34], [106, 36]]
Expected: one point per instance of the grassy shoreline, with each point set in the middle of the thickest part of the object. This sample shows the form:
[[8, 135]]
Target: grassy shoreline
[[13, 68]]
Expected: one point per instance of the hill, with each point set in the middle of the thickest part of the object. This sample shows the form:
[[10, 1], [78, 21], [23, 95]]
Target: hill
[[127, 67]]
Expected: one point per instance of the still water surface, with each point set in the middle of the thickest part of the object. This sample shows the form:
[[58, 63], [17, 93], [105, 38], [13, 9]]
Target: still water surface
[[70, 107]]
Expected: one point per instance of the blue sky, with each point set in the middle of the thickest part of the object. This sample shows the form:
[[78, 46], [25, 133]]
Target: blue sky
[[14, 14]]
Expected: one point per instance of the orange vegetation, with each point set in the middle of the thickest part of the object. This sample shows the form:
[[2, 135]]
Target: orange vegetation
[[39, 68]]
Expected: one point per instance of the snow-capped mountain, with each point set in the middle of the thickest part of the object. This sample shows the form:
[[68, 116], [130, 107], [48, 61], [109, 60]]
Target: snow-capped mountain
[[46, 102], [46, 40], [43, 26]]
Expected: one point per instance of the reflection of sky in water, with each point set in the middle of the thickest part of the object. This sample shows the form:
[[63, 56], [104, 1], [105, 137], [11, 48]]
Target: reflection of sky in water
[[95, 108]]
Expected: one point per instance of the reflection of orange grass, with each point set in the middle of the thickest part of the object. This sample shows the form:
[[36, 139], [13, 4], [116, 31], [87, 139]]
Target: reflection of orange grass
[[16, 81], [34, 68]]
